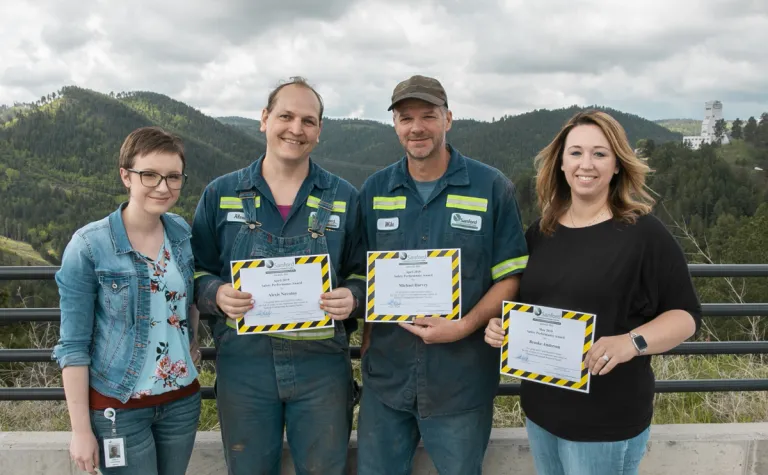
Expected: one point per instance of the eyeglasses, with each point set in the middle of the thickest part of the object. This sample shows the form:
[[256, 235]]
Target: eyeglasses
[[175, 181]]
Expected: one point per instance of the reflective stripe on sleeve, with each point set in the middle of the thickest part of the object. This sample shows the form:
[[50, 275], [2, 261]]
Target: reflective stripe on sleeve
[[508, 266]]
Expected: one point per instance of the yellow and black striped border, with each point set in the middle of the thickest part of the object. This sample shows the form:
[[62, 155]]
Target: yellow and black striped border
[[454, 254], [589, 331], [242, 328]]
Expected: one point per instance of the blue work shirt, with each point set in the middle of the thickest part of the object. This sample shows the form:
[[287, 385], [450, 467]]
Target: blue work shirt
[[473, 207], [219, 218]]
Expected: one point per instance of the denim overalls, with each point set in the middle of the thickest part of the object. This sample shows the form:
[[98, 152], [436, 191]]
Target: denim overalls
[[266, 383]]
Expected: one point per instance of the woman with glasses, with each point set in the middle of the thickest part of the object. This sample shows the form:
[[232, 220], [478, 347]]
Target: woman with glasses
[[128, 325]]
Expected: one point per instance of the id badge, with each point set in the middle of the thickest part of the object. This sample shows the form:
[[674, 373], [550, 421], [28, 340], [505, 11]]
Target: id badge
[[114, 452], [114, 448]]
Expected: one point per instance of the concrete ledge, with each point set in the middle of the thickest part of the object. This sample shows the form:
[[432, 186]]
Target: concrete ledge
[[697, 449]]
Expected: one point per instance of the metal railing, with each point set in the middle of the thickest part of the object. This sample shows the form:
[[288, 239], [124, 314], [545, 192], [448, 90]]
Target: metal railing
[[16, 315]]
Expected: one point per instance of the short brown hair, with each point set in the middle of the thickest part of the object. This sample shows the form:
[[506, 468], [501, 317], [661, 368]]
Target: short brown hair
[[297, 81], [146, 140], [628, 195]]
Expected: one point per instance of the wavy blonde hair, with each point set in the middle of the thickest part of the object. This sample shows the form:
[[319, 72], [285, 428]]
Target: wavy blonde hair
[[628, 195]]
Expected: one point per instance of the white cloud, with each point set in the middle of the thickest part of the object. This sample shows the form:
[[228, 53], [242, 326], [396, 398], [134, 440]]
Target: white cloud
[[656, 58]]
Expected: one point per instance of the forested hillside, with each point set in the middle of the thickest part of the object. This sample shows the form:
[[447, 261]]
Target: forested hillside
[[58, 156], [58, 159], [58, 162]]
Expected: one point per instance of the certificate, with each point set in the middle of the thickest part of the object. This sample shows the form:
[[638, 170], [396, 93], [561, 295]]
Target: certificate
[[547, 345], [404, 285], [286, 293]]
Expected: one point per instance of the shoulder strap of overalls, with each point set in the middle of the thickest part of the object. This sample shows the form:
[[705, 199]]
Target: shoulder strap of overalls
[[248, 199], [325, 207]]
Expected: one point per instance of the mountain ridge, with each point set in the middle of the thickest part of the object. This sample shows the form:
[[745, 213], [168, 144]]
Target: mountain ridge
[[58, 156]]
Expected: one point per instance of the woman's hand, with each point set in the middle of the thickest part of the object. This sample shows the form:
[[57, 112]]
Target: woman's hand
[[494, 333], [84, 450], [194, 352], [608, 352]]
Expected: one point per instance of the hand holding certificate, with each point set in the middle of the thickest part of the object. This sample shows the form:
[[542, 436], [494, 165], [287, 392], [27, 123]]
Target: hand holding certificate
[[404, 285], [286, 292], [547, 345]]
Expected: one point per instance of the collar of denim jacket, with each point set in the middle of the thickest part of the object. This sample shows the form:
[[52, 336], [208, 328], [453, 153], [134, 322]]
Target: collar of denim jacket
[[176, 228], [175, 231]]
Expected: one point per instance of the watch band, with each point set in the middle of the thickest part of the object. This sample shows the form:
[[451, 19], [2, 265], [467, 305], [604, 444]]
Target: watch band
[[633, 336]]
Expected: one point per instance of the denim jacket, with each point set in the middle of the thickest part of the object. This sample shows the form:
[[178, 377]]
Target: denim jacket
[[105, 298]]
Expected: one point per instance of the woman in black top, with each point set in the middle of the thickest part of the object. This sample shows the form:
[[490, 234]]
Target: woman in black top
[[597, 249]]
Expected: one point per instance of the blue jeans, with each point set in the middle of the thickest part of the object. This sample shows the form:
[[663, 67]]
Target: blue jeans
[[387, 439], [158, 439], [555, 456], [266, 384]]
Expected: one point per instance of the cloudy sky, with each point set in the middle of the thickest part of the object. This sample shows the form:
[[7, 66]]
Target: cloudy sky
[[655, 58]]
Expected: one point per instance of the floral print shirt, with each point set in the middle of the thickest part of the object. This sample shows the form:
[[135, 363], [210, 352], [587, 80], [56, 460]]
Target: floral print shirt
[[169, 366]]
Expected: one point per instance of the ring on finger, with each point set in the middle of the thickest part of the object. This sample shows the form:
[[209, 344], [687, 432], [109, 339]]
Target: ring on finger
[[606, 358]]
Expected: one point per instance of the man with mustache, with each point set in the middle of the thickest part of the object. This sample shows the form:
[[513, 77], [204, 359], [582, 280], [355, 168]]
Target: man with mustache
[[434, 378]]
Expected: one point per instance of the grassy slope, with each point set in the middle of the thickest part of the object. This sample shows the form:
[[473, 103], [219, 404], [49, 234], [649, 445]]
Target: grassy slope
[[682, 126], [21, 252], [686, 126]]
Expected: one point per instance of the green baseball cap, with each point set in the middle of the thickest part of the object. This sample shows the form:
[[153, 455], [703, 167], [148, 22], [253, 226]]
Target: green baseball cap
[[420, 87]]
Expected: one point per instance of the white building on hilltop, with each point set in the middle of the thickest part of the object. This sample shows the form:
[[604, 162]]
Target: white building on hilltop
[[713, 111]]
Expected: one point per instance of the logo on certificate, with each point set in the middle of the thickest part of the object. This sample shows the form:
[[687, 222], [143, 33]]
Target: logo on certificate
[[547, 315], [285, 265], [414, 257]]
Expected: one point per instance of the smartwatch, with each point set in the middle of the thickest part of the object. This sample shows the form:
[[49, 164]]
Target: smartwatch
[[640, 344]]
